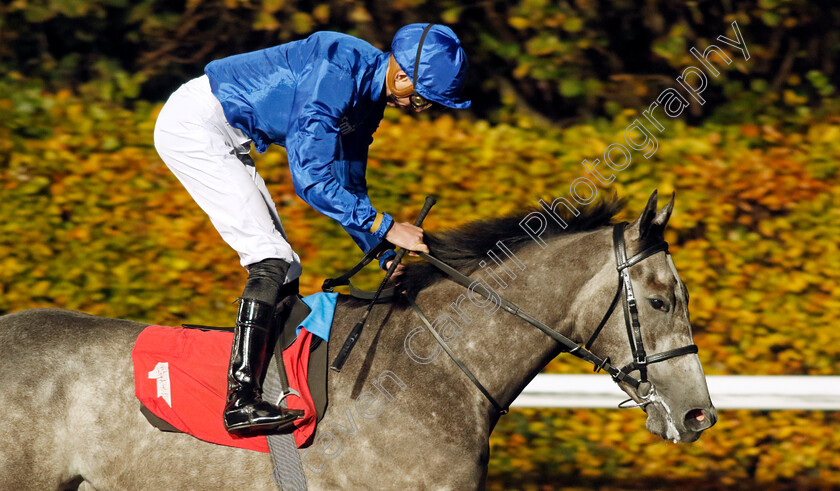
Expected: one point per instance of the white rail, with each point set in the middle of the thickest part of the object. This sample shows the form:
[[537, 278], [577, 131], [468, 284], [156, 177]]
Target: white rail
[[810, 392]]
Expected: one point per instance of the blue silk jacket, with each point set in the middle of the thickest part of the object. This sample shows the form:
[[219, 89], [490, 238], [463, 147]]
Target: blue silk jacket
[[322, 98]]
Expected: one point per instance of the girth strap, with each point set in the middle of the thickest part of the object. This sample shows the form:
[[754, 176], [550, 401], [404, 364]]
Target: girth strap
[[461, 365]]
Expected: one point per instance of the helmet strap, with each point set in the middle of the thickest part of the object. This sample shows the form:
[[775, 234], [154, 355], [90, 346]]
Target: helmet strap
[[394, 68]]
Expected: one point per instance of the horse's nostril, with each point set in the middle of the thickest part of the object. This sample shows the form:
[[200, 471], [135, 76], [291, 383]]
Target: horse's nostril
[[698, 420]]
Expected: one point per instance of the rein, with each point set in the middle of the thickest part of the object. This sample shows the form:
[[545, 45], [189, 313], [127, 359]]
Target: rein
[[631, 320]]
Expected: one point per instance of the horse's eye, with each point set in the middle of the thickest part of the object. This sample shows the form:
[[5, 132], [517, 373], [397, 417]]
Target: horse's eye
[[658, 304]]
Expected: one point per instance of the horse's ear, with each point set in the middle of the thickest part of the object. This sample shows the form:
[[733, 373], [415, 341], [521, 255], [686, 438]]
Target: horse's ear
[[647, 216], [653, 223]]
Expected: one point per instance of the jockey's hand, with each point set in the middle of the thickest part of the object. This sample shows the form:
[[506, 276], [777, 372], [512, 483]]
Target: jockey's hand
[[407, 236], [397, 272]]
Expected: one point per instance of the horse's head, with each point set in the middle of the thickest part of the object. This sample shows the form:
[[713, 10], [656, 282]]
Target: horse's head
[[574, 286], [674, 394]]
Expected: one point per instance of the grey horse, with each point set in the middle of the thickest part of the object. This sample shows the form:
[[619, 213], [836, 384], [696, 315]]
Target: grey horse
[[402, 415]]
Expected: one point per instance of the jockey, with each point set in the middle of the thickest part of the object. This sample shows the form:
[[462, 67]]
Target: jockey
[[322, 98]]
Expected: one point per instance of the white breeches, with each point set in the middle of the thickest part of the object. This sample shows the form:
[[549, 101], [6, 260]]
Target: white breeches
[[211, 160]]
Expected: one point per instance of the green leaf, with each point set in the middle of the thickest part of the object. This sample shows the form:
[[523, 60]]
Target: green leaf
[[571, 88]]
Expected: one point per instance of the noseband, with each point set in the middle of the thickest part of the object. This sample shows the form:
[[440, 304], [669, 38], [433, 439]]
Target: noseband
[[641, 360]]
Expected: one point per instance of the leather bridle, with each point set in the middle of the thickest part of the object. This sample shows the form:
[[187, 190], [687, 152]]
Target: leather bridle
[[631, 313], [641, 360]]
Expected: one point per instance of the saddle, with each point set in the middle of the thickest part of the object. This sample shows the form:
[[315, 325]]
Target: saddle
[[286, 338]]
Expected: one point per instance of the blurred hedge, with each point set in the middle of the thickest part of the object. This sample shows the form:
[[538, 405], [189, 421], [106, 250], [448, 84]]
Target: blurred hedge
[[92, 220], [557, 60]]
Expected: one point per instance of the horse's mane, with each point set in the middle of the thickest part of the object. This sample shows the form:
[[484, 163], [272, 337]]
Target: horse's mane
[[464, 247]]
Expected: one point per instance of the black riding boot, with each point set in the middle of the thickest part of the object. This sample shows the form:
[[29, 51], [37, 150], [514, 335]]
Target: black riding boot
[[245, 410]]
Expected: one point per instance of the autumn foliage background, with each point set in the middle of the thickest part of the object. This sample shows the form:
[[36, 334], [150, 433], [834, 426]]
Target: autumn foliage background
[[92, 220]]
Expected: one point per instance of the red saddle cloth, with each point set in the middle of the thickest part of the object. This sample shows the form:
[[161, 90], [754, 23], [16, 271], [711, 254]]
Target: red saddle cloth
[[180, 375]]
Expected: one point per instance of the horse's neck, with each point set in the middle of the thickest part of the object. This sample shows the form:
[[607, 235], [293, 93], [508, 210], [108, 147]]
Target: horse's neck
[[505, 352]]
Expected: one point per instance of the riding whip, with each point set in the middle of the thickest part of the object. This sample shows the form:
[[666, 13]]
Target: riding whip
[[338, 363]]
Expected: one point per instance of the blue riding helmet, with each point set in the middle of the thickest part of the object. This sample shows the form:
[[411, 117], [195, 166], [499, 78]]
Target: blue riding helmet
[[443, 63]]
